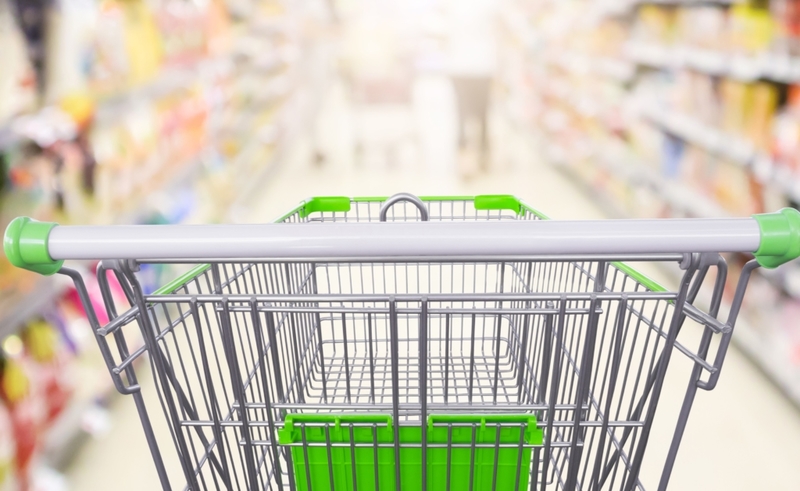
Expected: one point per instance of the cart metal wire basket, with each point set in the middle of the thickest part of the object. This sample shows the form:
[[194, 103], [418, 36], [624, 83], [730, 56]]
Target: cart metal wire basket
[[493, 350]]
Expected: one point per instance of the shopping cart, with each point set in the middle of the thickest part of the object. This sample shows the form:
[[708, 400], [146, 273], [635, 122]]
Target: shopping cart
[[491, 350], [382, 104]]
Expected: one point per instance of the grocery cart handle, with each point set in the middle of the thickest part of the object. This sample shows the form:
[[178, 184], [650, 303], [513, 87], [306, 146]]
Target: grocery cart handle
[[42, 247], [423, 210]]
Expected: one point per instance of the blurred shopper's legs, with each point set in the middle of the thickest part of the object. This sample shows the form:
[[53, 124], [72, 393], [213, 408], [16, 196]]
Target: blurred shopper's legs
[[472, 96]]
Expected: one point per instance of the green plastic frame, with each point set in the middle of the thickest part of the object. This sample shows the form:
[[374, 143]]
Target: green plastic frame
[[342, 204]]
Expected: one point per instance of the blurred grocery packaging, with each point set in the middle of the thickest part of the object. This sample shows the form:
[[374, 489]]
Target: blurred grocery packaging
[[127, 111]]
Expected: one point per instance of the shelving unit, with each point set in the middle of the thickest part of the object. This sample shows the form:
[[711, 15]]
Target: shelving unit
[[16, 310], [717, 142], [610, 111], [256, 102], [778, 68], [686, 2]]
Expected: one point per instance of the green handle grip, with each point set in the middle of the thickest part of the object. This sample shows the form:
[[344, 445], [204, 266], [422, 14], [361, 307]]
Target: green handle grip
[[780, 237], [25, 245]]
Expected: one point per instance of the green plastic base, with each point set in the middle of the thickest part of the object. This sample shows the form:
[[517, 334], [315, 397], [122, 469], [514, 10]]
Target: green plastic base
[[312, 471]]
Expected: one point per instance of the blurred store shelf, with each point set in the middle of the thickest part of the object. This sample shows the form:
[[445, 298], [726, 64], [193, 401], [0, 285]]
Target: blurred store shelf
[[186, 143], [731, 147], [686, 3], [769, 66], [19, 308], [655, 114]]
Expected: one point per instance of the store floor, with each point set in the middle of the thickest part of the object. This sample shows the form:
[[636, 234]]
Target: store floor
[[742, 436]]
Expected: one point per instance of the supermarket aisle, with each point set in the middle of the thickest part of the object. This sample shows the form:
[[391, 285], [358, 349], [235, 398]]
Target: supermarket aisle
[[431, 167], [744, 435]]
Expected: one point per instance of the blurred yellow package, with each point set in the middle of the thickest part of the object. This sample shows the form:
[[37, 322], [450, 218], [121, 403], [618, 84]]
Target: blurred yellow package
[[736, 102], [761, 114], [142, 42], [751, 28], [657, 23]]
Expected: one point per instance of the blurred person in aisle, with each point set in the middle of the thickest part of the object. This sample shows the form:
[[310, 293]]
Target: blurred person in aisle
[[472, 53], [31, 16]]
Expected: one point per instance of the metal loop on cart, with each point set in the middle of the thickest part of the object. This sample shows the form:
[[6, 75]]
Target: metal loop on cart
[[423, 210]]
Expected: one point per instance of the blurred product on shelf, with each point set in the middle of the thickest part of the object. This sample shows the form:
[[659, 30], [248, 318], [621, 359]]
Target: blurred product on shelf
[[25, 413], [124, 111], [654, 24], [705, 124], [17, 78], [785, 148], [49, 363], [110, 46], [751, 29], [788, 11], [8, 476], [39, 395]]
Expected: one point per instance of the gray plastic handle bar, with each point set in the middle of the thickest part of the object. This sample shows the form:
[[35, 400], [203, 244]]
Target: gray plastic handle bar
[[40, 245], [428, 239]]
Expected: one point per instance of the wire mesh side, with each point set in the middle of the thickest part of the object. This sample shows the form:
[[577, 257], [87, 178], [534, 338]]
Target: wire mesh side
[[581, 345], [245, 344]]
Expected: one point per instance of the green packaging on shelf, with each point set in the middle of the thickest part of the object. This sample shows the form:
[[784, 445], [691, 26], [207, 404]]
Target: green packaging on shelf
[[358, 434]]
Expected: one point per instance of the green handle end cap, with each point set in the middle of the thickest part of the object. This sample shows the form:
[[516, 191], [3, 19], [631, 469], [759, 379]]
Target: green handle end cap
[[780, 237], [25, 245]]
